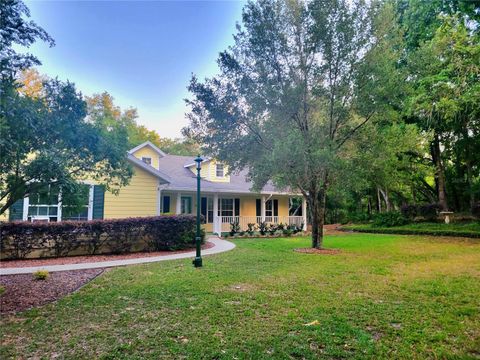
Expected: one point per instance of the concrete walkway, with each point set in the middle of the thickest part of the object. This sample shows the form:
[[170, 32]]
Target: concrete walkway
[[220, 246]]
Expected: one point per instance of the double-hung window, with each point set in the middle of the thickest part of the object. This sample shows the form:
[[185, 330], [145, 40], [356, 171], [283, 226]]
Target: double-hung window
[[165, 204], [186, 204], [43, 204], [228, 207], [75, 206], [207, 209], [220, 170]]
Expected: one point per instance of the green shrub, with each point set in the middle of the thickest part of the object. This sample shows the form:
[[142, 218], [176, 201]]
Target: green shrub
[[476, 210], [40, 275], [2, 289], [251, 228], [357, 218], [389, 219], [263, 227], [171, 232], [272, 229], [234, 227], [409, 211], [429, 211]]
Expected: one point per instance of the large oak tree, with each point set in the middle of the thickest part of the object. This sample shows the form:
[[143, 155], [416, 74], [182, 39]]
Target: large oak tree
[[299, 82]]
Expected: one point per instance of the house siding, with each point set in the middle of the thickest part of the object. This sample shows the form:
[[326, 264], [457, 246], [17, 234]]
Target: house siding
[[147, 151], [209, 172], [139, 198]]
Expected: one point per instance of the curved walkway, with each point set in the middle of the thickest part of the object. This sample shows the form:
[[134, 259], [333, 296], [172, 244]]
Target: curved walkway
[[220, 246]]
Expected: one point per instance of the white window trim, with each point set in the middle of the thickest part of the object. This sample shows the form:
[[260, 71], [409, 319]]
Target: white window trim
[[191, 204], [90, 203], [216, 170], [26, 204], [220, 205], [147, 157]]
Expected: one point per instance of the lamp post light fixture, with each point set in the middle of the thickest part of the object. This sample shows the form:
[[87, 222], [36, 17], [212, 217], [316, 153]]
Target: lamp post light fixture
[[198, 239]]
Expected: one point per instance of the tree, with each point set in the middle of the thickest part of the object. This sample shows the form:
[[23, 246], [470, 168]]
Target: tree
[[45, 139], [102, 111], [49, 142], [445, 76], [292, 93], [17, 30]]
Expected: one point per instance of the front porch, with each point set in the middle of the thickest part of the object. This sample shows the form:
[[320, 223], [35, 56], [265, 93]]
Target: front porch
[[224, 222], [220, 210]]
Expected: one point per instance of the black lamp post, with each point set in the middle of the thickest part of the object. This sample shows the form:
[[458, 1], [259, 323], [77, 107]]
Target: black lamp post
[[198, 258]]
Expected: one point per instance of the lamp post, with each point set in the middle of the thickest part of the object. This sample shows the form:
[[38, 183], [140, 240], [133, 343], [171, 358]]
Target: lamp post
[[198, 257]]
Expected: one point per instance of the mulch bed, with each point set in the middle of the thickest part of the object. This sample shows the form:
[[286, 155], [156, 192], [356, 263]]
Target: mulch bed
[[90, 258], [317, 251], [23, 291]]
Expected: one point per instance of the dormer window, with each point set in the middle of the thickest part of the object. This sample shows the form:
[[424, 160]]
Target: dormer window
[[220, 171], [147, 160]]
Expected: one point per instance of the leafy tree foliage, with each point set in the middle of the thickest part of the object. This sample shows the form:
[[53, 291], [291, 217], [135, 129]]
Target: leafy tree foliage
[[103, 112], [45, 138], [293, 92]]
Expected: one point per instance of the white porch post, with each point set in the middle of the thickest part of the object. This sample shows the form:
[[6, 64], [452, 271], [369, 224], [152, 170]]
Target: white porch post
[[59, 207], [178, 208], [217, 227], [26, 202], [262, 208], [159, 198], [90, 203], [304, 213]]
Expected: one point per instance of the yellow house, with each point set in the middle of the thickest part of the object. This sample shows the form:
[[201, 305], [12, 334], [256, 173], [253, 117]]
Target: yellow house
[[164, 183]]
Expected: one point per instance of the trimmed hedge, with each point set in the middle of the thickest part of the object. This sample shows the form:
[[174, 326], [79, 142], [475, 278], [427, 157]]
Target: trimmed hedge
[[115, 236], [406, 231]]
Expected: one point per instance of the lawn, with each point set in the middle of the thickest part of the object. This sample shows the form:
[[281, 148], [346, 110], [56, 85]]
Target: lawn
[[383, 296], [467, 229]]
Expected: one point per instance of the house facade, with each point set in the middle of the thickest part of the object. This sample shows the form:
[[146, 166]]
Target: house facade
[[166, 184]]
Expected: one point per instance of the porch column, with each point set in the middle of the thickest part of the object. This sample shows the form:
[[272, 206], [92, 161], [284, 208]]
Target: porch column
[[217, 227], [262, 208], [178, 208], [304, 213], [159, 199]]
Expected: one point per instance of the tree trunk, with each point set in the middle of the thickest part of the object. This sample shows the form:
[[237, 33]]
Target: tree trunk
[[317, 208], [386, 198], [439, 172], [470, 184], [379, 201]]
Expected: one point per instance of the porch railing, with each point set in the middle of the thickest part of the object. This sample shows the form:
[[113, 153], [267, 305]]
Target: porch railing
[[243, 221]]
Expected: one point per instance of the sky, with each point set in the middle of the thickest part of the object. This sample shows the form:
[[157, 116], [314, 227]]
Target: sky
[[141, 52]]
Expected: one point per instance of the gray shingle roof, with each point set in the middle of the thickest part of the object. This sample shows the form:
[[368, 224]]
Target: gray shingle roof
[[183, 179]]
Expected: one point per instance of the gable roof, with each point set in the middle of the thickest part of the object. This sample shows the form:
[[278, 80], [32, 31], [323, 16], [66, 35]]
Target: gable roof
[[174, 171], [151, 145], [164, 178], [183, 179]]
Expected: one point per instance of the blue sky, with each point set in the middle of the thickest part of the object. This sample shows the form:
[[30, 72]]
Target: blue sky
[[141, 52]]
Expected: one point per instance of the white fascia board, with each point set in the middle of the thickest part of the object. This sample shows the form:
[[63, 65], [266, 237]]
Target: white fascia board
[[147, 143], [148, 168]]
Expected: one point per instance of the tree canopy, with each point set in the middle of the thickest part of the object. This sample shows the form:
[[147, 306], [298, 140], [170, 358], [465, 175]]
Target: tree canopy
[[45, 136], [349, 100]]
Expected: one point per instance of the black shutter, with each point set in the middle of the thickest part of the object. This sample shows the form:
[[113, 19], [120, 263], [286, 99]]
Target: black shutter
[[15, 213], [98, 201], [203, 209], [237, 207], [259, 207], [166, 204], [275, 207]]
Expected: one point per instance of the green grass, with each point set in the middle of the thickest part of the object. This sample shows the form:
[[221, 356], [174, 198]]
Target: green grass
[[471, 229], [383, 296]]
